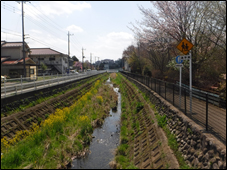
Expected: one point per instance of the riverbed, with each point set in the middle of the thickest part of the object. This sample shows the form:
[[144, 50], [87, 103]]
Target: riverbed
[[105, 141]]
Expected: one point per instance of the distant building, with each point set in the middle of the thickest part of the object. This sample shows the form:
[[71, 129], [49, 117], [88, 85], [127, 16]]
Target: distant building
[[12, 61], [55, 61]]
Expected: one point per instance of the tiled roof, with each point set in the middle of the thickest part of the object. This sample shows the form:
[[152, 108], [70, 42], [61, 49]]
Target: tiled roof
[[15, 61], [43, 51], [12, 44], [4, 58], [2, 42]]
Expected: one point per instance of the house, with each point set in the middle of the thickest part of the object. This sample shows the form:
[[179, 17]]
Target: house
[[55, 61], [12, 61]]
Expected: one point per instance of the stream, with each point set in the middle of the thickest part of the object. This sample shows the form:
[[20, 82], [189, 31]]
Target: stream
[[105, 141]]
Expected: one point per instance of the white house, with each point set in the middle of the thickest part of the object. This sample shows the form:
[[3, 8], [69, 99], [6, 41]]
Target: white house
[[55, 61]]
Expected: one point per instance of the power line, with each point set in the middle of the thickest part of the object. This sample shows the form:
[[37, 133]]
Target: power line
[[37, 40]]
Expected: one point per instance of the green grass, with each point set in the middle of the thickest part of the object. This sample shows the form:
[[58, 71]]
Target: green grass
[[32, 149]]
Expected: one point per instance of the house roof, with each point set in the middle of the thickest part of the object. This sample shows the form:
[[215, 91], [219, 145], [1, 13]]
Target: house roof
[[5, 44], [5, 58], [44, 51], [7, 62]]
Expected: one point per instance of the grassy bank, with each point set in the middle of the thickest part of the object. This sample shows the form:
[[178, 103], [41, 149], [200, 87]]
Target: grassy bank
[[162, 122], [124, 156], [64, 134]]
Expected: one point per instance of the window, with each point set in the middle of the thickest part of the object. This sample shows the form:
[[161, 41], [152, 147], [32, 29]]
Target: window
[[51, 59], [31, 71]]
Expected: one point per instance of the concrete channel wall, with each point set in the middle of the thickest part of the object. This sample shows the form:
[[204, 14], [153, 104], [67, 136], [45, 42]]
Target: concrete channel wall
[[199, 148]]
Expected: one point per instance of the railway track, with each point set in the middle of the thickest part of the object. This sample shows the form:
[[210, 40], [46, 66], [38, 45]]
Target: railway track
[[23, 120]]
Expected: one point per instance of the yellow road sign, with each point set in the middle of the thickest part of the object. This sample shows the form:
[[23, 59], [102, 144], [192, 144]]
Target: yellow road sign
[[185, 46]]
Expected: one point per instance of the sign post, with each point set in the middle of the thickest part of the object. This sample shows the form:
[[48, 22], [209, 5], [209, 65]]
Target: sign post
[[190, 72], [185, 46], [179, 61]]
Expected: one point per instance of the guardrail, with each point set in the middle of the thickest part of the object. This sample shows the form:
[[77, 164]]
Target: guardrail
[[21, 85]]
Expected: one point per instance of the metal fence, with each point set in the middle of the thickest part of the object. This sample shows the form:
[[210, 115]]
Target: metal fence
[[205, 108], [21, 85]]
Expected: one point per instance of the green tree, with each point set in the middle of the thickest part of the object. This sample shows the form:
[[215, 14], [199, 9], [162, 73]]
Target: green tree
[[43, 66]]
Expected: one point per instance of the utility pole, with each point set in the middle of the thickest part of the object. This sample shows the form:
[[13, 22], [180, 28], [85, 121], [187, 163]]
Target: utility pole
[[95, 63], [98, 62], [90, 58], [83, 58], [22, 8], [68, 49]]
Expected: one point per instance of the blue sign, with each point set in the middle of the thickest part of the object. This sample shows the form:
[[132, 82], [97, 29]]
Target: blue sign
[[178, 60]]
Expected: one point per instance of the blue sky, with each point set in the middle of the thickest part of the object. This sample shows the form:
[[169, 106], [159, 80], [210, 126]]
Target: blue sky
[[100, 27]]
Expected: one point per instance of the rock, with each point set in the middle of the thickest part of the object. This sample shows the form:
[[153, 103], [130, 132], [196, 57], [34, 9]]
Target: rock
[[212, 160], [180, 135], [223, 152], [113, 164], [191, 158], [200, 157], [196, 162], [200, 165], [185, 147], [211, 153], [28, 166], [188, 157], [180, 149], [177, 132], [188, 142], [192, 151], [185, 152], [215, 166], [220, 164], [204, 151], [224, 165], [198, 146], [206, 157], [193, 143], [205, 163]]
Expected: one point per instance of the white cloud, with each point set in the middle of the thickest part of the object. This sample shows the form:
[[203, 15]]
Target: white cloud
[[111, 45], [115, 40], [50, 8], [74, 29]]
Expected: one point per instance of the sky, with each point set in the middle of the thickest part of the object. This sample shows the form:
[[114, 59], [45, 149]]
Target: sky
[[101, 28]]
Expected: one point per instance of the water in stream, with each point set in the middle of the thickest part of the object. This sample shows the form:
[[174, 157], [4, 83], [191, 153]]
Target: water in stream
[[105, 142]]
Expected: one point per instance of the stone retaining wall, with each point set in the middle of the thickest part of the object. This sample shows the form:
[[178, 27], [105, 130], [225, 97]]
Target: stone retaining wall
[[199, 148]]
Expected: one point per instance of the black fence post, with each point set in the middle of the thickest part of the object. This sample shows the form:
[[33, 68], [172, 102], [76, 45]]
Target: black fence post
[[165, 90], [155, 85], [206, 112], [185, 107], [173, 94]]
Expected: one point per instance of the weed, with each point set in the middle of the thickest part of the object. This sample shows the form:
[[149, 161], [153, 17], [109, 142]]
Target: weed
[[122, 148], [46, 116], [189, 130], [161, 120], [139, 106]]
